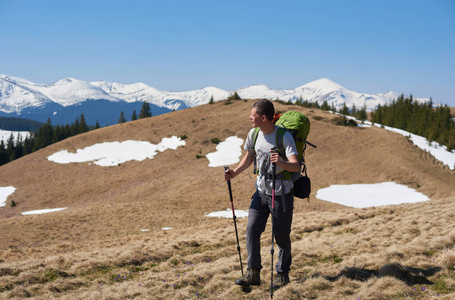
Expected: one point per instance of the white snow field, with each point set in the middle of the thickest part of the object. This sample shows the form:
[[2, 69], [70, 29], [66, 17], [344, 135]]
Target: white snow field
[[4, 193], [440, 152], [5, 135], [228, 213], [114, 153], [43, 211], [227, 152], [369, 195]]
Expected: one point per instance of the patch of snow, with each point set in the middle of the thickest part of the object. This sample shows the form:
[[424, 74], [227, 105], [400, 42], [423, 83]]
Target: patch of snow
[[43, 211], [227, 152], [369, 195], [228, 214], [167, 228], [440, 152], [114, 153], [4, 193], [6, 134]]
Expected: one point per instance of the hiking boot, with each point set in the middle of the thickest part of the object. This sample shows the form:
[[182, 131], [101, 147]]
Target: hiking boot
[[280, 280], [252, 277]]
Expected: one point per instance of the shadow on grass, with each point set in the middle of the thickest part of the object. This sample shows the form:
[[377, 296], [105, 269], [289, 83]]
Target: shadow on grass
[[406, 274]]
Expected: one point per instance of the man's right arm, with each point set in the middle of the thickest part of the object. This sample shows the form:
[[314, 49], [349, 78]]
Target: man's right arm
[[246, 161]]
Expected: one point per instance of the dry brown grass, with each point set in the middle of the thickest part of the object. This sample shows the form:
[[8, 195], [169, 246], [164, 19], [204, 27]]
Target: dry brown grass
[[394, 252], [448, 258]]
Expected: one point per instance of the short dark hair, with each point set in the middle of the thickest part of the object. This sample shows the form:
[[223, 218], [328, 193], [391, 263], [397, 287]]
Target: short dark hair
[[265, 107]]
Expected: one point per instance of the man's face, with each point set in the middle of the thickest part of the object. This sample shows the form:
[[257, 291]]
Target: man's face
[[255, 118]]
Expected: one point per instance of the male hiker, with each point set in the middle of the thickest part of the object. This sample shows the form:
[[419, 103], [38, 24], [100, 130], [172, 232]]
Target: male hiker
[[261, 202]]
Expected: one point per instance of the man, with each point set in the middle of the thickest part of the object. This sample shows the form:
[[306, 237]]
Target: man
[[262, 114]]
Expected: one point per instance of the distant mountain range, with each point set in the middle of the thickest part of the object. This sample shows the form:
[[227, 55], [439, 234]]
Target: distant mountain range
[[102, 101]]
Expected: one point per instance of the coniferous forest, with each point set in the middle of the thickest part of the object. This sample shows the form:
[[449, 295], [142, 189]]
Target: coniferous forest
[[433, 123], [46, 135]]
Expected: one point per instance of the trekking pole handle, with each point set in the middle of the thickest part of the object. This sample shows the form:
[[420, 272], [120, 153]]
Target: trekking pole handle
[[274, 150], [229, 186], [226, 169]]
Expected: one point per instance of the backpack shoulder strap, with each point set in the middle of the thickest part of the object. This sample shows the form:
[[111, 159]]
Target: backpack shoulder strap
[[255, 136], [279, 140], [279, 143]]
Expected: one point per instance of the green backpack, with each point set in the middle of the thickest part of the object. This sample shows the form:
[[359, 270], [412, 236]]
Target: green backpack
[[299, 126]]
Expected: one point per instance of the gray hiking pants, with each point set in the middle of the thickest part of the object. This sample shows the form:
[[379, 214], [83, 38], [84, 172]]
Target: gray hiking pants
[[257, 219]]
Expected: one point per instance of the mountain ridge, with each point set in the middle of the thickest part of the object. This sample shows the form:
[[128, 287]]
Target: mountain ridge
[[19, 95]]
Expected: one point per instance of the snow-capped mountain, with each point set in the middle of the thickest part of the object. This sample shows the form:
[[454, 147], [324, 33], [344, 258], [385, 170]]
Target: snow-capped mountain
[[68, 97], [140, 92]]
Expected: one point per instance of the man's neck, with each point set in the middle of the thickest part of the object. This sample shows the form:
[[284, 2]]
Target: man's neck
[[268, 128]]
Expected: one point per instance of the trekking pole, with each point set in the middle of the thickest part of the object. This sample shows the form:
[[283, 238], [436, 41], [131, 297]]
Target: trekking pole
[[273, 229], [234, 218]]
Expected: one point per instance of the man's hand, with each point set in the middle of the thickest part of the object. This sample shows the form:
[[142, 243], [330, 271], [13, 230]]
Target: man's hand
[[229, 174], [274, 156], [291, 165]]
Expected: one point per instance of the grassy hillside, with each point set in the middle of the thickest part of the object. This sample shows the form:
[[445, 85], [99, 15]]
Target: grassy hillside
[[339, 252]]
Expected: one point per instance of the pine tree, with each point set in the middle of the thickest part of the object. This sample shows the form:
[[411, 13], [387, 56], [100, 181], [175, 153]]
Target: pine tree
[[234, 96], [344, 110], [74, 128], [134, 116], [353, 110], [362, 113], [29, 141], [44, 136], [121, 119], [145, 111], [325, 105], [18, 149], [83, 127], [11, 148], [4, 158]]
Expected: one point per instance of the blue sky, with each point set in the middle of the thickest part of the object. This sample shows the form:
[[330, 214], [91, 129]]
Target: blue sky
[[178, 45]]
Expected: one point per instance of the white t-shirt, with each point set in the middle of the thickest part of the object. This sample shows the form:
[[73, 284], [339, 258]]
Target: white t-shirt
[[264, 143]]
